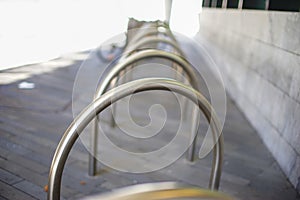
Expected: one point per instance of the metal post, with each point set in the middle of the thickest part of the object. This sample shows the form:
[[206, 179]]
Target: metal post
[[114, 106], [194, 132]]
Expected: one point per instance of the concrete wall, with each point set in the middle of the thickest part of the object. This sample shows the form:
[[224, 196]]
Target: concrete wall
[[258, 53]]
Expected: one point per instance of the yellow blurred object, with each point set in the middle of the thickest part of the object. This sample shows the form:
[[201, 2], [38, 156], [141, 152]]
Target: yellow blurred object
[[160, 191]]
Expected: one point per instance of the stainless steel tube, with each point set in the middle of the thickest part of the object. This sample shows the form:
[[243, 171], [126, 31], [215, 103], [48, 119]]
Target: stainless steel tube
[[85, 117]]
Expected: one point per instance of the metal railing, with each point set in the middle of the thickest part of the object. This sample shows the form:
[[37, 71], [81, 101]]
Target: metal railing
[[92, 110]]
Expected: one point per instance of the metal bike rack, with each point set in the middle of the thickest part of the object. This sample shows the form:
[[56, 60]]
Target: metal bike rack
[[130, 57], [153, 34], [103, 86], [148, 37], [149, 33], [144, 35], [92, 110]]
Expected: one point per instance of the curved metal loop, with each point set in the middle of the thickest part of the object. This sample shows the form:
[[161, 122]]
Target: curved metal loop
[[85, 117]]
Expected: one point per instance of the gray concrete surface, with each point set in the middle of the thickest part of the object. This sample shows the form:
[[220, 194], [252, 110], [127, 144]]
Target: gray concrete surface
[[258, 55]]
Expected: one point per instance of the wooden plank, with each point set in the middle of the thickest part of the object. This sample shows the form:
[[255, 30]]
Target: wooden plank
[[42, 100], [32, 189], [31, 176], [31, 149], [2, 198], [8, 177], [9, 192], [24, 161]]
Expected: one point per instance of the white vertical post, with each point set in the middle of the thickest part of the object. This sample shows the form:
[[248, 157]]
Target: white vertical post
[[267, 3], [168, 8], [240, 6], [224, 4]]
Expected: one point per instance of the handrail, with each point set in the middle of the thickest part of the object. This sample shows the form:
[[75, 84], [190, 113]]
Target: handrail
[[104, 84], [85, 117]]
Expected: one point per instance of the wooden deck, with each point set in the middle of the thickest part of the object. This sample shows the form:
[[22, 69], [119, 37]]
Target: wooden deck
[[32, 122]]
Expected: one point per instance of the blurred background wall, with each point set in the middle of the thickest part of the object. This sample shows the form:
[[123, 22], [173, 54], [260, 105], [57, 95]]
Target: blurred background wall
[[258, 53]]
